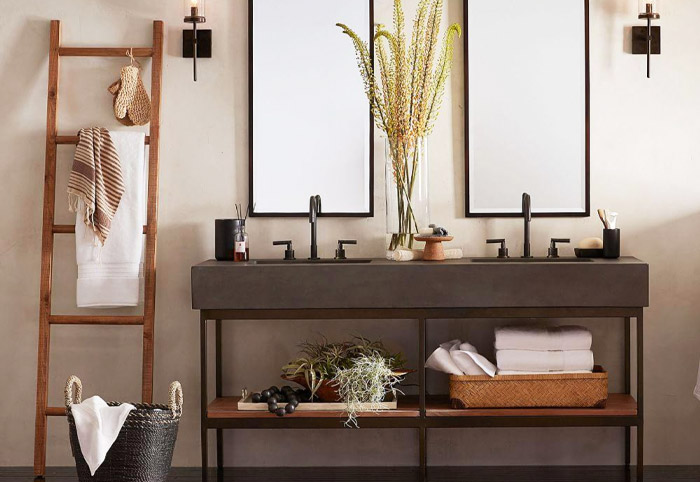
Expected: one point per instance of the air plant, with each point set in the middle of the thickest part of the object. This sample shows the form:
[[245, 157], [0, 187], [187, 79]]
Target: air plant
[[368, 380], [406, 96], [322, 360]]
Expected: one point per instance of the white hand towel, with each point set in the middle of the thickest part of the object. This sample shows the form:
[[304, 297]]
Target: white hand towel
[[697, 386], [468, 360], [471, 363], [544, 361], [98, 426], [109, 276], [441, 360], [405, 254], [556, 338], [518, 372]]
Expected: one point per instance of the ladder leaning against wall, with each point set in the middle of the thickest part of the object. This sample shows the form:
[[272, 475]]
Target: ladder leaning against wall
[[49, 229]]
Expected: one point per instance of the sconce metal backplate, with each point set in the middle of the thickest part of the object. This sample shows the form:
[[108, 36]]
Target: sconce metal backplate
[[203, 44], [639, 40]]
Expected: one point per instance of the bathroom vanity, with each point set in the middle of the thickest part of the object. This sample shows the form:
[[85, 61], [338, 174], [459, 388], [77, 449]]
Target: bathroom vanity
[[465, 289]]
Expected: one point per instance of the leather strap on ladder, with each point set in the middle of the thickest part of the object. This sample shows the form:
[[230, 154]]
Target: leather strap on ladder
[[49, 229]]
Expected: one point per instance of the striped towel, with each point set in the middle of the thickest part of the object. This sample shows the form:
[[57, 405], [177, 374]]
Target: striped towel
[[96, 179]]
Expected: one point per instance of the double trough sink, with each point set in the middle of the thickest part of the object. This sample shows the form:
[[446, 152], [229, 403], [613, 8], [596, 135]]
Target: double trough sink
[[473, 260]]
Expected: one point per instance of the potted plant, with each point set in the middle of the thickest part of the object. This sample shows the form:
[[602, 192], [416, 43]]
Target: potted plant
[[356, 372]]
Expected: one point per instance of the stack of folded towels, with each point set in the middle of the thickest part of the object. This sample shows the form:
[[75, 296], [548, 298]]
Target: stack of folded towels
[[538, 349]]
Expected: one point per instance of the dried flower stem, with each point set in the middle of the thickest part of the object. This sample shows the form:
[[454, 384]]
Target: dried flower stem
[[405, 99]]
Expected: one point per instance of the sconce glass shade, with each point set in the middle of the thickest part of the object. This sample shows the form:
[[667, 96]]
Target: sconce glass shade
[[649, 9], [194, 9]]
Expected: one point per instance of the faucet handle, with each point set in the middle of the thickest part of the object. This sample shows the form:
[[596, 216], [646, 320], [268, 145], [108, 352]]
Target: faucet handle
[[553, 251], [289, 252], [340, 252], [503, 250]]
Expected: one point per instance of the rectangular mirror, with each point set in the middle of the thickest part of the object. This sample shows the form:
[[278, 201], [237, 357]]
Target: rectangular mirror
[[311, 131], [527, 120]]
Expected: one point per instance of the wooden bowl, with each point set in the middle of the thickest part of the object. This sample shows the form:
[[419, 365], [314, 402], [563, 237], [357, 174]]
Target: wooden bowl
[[433, 250]]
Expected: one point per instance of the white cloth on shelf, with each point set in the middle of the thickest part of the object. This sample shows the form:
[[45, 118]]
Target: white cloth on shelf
[[544, 361], [111, 276], [555, 338], [441, 360], [518, 372], [405, 254], [472, 363], [98, 426], [697, 386], [457, 358]]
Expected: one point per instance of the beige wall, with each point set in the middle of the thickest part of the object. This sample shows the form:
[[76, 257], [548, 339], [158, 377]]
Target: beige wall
[[644, 153]]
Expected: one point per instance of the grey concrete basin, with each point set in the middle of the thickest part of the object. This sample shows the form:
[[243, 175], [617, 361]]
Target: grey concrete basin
[[311, 261], [568, 259]]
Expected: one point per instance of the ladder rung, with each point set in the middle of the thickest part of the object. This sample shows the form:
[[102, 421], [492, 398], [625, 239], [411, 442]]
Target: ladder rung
[[74, 140], [55, 411], [70, 228], [104, 51], [95, 320]]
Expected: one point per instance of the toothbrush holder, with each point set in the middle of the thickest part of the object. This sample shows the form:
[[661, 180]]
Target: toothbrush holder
[[611, 243]]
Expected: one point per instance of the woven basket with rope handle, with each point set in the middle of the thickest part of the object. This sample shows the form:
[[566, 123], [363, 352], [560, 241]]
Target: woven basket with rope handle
[[144, 448]]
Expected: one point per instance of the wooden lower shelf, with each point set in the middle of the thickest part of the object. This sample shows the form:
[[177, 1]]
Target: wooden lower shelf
[[227, 407], [619, 405]]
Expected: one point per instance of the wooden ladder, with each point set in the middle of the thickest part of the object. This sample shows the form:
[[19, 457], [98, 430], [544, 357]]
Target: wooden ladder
[[49, 229]]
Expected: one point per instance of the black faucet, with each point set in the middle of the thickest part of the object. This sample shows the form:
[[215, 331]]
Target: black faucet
[[527, 217], [314, 209]]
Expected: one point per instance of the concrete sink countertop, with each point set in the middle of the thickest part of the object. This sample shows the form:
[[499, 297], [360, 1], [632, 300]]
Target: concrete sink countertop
[[462, 283]]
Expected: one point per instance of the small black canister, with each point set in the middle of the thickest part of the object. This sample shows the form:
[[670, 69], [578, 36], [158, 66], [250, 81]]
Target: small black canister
[[611, 243], [225, 230]]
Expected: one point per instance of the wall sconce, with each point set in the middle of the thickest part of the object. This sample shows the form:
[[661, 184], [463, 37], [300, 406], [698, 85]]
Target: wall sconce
[[195, 43], [647, 40]]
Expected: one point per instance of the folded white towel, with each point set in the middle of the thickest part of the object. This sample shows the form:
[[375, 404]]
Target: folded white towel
[[109, 276], [441, 360], [457, 358], [405, 254], [471, 363], [518, 372], [98, 426], [543, 338], [544, 361]]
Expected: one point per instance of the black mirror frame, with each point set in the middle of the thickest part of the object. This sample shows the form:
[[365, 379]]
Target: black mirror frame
[[253, 213], [587, 211]]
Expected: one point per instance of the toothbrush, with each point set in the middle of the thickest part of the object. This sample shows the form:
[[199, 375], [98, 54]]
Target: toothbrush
[[603, 217]]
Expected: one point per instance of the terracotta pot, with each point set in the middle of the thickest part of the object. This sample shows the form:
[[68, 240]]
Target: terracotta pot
[[327, 392]]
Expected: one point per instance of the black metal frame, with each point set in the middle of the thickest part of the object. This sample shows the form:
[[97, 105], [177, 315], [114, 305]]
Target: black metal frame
[[467, 207], [423, 422], [253, 213]]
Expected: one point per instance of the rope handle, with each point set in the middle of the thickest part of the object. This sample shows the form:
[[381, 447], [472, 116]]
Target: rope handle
[[175, 398], [68, 392]]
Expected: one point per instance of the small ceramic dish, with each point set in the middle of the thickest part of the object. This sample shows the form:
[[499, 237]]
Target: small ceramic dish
[[588, 253]]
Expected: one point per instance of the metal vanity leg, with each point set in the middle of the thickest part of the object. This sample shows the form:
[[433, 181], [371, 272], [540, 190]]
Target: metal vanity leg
[[628, 388], [219, 393], [203, 388], [421, 398], [640, 396]]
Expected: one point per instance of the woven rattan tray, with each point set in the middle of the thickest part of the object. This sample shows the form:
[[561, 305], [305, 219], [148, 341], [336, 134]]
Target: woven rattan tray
[[573, 390]]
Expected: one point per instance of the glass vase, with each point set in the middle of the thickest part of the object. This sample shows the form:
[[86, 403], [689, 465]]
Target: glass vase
[[407, 202]]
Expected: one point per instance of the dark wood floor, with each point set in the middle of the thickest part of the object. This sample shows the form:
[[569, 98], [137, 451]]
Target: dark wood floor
[[401, 474]]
